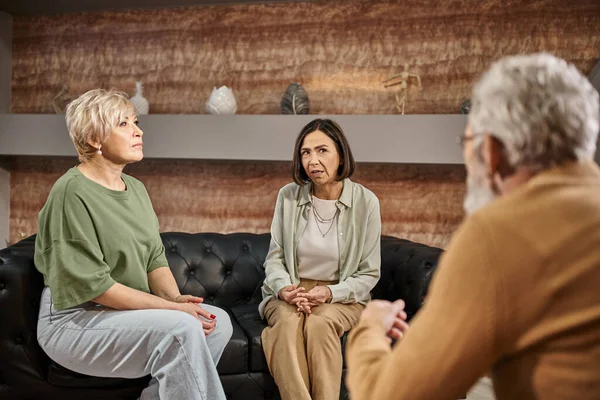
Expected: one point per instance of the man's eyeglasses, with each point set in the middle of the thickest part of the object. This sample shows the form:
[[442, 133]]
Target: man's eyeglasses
[[462, 139]]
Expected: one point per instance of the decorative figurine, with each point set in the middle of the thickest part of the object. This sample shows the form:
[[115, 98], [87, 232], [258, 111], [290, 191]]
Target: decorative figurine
[[61, 100], [403, 82]]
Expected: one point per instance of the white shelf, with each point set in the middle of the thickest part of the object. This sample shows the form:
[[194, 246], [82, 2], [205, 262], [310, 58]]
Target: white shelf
[[427, 139]]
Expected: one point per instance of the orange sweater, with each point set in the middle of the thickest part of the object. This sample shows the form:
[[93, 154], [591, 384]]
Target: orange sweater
[[517, 292]]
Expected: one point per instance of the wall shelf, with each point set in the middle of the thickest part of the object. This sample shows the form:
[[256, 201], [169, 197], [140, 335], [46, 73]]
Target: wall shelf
[[429, 139]]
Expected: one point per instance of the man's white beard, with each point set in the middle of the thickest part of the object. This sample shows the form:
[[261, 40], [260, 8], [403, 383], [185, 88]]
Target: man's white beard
[[478, 194]]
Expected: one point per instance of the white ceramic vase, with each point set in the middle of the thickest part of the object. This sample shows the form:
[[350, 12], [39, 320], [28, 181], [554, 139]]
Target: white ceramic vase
[[221, 102], [139, 102]]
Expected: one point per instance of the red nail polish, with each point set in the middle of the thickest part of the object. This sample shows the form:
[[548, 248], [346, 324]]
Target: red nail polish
[[212, 316]]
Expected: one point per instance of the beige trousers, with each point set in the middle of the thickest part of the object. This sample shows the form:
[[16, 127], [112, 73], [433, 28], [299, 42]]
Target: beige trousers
[[304, 352]]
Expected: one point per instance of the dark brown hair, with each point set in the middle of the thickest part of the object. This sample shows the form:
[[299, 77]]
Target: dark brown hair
[[335, 133]]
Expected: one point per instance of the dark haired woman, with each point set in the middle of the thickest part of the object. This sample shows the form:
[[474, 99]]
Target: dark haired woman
[[324, 259]]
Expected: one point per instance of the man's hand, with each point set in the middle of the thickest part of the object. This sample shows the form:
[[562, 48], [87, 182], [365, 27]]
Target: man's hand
[[289, 293], [390, 316], [313, 298], [207, 319]]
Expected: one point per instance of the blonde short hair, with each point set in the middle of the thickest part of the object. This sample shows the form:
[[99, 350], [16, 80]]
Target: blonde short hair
[[93, 116]]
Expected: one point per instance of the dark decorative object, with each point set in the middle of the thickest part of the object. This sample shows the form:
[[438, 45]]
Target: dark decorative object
[[295, 100], [465, 107]]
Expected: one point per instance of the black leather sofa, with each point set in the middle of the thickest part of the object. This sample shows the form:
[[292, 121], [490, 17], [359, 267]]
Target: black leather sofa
[[227, 270]]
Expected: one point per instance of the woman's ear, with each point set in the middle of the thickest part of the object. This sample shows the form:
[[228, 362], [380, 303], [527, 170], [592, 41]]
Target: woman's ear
[[94, 143]]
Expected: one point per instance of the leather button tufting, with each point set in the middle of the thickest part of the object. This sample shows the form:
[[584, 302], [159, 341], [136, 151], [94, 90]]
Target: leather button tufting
[[192, 272], [2, 286], [228, 272], [18, 340], [208, 250], [245, 247]]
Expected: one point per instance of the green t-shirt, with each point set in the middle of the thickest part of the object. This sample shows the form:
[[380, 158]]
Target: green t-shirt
[[90, 237]]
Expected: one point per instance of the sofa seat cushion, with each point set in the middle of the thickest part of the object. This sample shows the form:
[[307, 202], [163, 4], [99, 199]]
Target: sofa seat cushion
[[251, 386], [235, 356], [248, 318]]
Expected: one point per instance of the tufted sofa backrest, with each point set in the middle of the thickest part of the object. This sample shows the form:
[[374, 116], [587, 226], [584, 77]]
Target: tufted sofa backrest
[[226, 270]]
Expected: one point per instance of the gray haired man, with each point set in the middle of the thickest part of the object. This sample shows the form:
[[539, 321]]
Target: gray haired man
[[517, 292]]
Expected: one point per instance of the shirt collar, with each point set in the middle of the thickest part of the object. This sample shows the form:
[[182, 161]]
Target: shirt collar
[[345, 197]]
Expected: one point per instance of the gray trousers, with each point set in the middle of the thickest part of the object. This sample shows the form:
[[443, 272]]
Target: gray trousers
[[168, 345]]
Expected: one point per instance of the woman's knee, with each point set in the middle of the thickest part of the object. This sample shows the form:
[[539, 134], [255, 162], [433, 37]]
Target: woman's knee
[[187, 325], [319, 325], [224, 327]]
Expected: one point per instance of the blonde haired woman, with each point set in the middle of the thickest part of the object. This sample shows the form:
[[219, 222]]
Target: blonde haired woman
[[111, 307]]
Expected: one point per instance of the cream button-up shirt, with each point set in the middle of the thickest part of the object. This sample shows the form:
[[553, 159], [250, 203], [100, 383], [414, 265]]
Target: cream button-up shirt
[[359, 242]]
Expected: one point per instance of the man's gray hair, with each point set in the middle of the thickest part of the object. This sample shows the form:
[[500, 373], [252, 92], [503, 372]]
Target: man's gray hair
[[541, 108]]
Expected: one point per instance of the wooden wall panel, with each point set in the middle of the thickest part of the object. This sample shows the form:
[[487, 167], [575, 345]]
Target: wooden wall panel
[[340, 51], [418, 202]]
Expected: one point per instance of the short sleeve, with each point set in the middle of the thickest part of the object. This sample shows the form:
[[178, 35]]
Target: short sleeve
[[76, 272], [68, 253], [159, 258]]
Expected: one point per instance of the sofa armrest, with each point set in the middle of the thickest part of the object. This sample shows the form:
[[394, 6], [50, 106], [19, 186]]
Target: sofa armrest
[[23, 361]]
